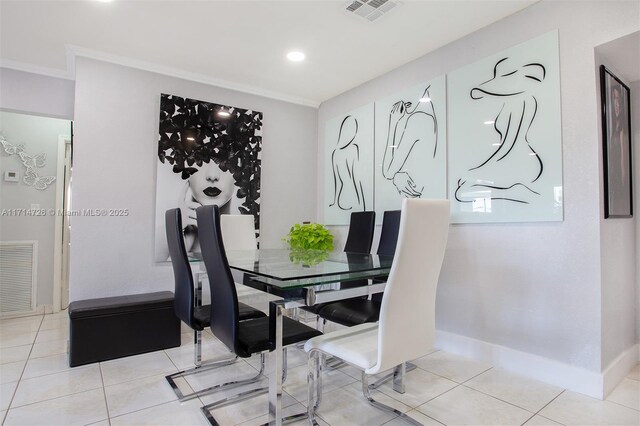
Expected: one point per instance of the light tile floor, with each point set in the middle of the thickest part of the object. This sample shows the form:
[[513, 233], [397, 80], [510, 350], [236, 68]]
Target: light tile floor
[[37, 387]]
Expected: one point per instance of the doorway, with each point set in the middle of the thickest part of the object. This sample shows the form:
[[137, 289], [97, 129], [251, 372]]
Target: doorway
[[63, 223], [31, 183]]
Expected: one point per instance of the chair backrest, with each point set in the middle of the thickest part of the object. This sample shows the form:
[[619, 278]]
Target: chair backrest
[[238, 232], [389, 233], [184, 291], [361, 228], [224, 299], [406, 329]]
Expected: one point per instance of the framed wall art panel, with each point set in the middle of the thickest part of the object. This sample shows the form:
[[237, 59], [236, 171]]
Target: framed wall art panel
[[208, 154], [616, 139], [505, 136], [348, 174], [410, 146]]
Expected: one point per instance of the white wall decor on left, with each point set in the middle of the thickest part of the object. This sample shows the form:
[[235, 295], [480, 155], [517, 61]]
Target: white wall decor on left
[[31, 163]]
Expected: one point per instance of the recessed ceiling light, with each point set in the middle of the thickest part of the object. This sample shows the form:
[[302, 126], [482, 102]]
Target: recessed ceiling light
[[489, 122], [223, 114], [295, 56], [425, 99]]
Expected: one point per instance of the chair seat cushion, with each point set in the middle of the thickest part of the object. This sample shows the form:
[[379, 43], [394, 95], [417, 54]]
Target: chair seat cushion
[[253, 336], [202, 314], [351, 312], [356, 345], [314, 309], [246, 312]]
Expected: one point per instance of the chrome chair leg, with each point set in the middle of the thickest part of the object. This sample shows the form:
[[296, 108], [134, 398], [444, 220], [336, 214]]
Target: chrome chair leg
[[398, 377], [197, 350], [199, 367], [206, 367], [314, 385], [284, 363], [206, 410], [384, 379], [367, 395]]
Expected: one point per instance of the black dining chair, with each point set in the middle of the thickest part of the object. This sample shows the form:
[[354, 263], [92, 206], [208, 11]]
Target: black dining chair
[[359, 239], [361, 228], [356, 311], [244, 338], [186, 308]]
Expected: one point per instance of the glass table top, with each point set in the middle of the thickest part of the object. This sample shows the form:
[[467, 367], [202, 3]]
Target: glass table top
[[284, 268]]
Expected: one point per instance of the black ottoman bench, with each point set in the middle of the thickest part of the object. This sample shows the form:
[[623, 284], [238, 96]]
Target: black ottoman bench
[[114, 327]]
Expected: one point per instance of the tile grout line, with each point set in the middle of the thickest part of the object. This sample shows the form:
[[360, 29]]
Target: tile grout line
[[538, 412], [22, 373], [431, 399], [621, 405], [104, 393], [52, 399], [142, 409]]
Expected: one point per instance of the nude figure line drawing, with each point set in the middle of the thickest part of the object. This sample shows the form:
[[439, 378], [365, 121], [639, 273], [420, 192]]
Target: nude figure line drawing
[[410, 124], [348, 192], [514, 85]]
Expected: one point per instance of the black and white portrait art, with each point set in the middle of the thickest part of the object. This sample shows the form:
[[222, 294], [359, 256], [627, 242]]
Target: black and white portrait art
[[616, 135], [348, 165], [208, 154], [505, 136], [410, 144]]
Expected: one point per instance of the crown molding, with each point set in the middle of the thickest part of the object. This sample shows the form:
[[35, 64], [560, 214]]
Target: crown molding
[[35, 69], [77, 51], [72, 52]]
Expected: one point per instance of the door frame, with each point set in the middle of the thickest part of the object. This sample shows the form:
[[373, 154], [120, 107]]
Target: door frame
[[58, 258]]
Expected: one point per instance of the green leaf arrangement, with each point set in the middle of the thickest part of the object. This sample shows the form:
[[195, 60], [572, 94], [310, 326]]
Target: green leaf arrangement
[[309, 236]]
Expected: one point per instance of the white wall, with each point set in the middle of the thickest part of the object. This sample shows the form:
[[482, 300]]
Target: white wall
[[617, 235], [39, 136], [115, 156], [36, 94], [530, 287]]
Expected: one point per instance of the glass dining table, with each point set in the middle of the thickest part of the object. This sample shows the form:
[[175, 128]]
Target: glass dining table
[[304, 279]]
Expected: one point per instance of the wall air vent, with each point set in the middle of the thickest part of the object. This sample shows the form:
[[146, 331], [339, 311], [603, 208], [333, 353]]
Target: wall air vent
[[370, 9], [18, 265]]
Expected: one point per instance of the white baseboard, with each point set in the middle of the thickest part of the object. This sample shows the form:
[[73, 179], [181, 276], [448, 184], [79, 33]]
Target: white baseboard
[[619, 368], [533, 366]]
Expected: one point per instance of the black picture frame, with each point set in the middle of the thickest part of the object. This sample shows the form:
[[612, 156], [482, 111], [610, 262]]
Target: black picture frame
[[616, 149]]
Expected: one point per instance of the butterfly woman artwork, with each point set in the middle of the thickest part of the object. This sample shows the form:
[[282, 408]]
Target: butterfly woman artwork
[[215, 151]]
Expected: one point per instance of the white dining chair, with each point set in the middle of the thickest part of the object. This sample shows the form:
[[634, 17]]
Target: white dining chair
[[238, 231], [406, 329]]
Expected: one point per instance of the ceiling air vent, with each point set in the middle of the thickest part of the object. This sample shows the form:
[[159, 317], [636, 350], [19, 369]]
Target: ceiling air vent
[[370, 9]]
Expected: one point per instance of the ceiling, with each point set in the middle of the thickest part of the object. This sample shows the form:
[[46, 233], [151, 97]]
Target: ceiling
[[239, 44]]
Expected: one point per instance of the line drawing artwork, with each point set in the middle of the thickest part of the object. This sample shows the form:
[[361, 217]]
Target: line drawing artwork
[[410, 124], [513, 168], [348, 192]]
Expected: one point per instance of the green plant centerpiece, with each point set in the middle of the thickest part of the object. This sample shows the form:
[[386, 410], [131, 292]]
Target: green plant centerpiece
[[310, 243]]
